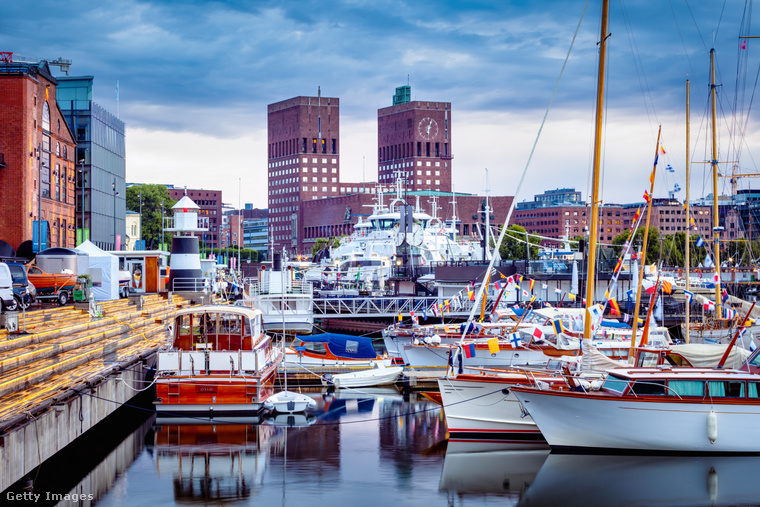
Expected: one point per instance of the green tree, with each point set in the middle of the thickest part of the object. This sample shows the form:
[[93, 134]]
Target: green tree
[[152, 197], [653, 243], [513, 246]]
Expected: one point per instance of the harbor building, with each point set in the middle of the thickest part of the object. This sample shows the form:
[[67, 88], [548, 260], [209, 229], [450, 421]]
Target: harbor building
[[101, 164], [37, 173], [562, 214], [253, 225], [209, 204], [414, 138], [303, 155]]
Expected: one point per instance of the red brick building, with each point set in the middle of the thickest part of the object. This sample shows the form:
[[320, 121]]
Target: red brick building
[[561, 213], [303, 161], [414, 139], [210, 204], [38, 178]]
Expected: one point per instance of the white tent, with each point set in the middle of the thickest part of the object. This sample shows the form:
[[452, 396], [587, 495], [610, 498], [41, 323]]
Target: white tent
[[104, 272]]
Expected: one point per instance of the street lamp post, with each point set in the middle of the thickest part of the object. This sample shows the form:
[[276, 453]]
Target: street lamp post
[[139, 195], [162, 223], [115, 194], [81, 204]]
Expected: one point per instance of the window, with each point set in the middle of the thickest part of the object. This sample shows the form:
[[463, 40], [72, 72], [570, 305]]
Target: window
[[427, 149], [614, 383], [726, 389], [686, 388], [419, 148], [334, 148], [648, 387]]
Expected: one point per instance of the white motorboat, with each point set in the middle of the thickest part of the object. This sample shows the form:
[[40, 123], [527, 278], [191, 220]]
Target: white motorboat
[[652, 409], [377, 376], [289, 402]]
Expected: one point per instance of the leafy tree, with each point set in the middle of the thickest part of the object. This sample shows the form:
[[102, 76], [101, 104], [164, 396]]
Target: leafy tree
[[513, 246], [653, 243], [152, 197], [319, 244]]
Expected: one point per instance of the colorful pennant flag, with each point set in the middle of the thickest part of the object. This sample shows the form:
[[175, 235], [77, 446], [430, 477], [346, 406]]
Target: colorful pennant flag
[[689, 296], [469, 350], [493, 345], [515, 339], [700, 242], [614, 308], [557, 325]]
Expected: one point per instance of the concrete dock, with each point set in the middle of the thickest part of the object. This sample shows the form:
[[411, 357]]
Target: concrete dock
[[68, 371]]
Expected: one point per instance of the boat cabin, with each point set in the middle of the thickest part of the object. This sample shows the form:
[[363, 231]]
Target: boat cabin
[[680, 383], [210, 339]]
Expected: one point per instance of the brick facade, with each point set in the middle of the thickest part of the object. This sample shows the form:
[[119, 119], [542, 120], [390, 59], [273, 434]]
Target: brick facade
[[303, 156], [414, 138], [30, 117]]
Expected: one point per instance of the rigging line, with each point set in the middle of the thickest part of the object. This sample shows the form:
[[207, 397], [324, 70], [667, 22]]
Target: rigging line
[[527, 163], [640, 74], [696, 26], [680, 35]]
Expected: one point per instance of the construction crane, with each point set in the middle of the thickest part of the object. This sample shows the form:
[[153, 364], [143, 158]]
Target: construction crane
[[8, 57], [735, 177]]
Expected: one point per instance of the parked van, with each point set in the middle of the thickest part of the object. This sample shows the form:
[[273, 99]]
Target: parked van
[[7, 302], [21, 292]]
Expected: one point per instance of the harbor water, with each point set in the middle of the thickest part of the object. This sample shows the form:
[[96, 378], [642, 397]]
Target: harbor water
[[358, 447]]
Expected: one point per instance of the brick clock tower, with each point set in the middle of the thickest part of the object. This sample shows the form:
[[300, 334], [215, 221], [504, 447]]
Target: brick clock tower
[[303, 162], [414, 140]]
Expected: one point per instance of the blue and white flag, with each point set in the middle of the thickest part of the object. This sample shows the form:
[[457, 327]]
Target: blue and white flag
[[515, 339], [700, 242], [670, 169], [676, 188], [689, 296], [752, 345]]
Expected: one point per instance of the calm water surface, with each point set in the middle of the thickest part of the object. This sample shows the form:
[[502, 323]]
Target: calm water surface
[[366, 448]]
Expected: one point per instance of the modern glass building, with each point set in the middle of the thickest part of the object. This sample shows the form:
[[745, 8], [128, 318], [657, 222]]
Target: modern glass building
[[101, 164], [255, 236]]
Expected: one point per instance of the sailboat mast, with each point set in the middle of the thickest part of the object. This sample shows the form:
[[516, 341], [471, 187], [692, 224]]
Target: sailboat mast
[[714, 163], [688, 221], [594, 225]]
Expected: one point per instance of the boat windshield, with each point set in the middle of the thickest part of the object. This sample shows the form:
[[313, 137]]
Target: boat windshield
[[615, 383]]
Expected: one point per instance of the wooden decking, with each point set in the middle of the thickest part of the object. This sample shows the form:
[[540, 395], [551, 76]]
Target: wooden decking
[[64, 349]]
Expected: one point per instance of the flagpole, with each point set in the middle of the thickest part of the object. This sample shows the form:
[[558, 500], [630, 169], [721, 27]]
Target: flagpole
[[635, 322]]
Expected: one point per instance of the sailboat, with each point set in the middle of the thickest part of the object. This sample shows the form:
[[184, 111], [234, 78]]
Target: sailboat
[[660, 409], [506, 418]]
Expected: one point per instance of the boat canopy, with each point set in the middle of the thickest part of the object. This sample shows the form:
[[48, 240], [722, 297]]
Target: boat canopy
[[344, 345]]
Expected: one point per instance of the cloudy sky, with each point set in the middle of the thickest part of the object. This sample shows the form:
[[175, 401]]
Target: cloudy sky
[[195, 78]]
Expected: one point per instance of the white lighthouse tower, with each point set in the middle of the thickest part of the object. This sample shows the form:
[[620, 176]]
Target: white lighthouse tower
[[185, 260]]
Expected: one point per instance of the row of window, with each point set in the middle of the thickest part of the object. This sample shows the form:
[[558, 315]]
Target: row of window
[[688, 388], [304, 160], [407, 150], [292, 146]]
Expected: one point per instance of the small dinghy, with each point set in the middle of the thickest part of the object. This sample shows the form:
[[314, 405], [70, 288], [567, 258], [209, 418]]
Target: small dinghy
[[377, 376]]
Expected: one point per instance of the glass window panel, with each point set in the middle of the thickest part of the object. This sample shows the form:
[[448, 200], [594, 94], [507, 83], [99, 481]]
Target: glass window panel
[[686, 388]]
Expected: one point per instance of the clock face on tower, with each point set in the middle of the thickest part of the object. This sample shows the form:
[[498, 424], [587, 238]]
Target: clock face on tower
[[428, 129]]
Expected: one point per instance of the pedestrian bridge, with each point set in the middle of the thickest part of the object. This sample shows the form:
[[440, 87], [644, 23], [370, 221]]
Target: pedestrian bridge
[[358, 307]]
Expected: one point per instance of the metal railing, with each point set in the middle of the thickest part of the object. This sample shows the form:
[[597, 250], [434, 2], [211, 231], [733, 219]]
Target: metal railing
[[188, 285], [254, 287], [385, 307]]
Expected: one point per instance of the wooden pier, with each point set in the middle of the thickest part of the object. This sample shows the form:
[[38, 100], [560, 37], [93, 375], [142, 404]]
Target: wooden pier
[[66, 371]]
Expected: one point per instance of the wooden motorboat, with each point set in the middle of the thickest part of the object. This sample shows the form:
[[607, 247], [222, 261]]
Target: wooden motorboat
[[652, 409], [221, 360], [332, 350]]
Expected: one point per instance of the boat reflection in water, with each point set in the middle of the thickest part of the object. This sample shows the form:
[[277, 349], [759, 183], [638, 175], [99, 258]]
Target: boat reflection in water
[[588, 480], [491, 468], [218, 461]]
